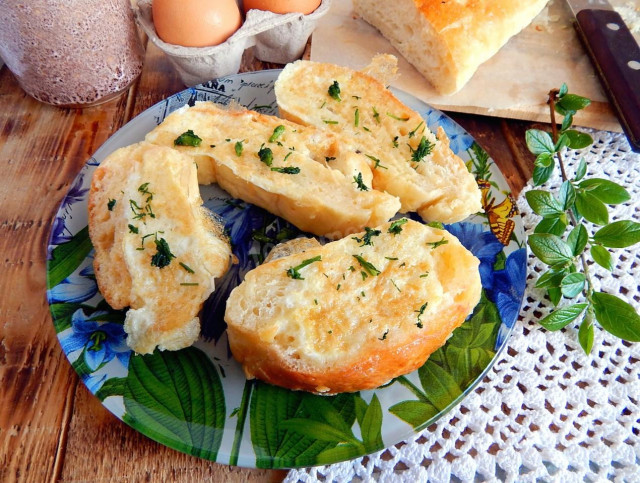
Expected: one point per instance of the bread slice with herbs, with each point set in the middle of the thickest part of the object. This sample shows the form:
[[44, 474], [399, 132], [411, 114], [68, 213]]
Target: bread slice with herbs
[[407, 160], [302, 174], [354, 313], [157, 249]]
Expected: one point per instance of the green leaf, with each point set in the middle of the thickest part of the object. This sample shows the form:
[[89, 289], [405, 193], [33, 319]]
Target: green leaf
[[616, 316], [586, 335], [339, 453], [567, 195], [61, 315], [567, 120], [67, 257], [563, 90], [544, 160], [439, 386], [606, 191], [560, 318], [551, 279], [317, 430], [578, 239], [578, 140], [543, 203], [112, 387], [371, 427], [539, 142], [591, 208], [602, 257], [416, 413], [573, 102], [619, 234], [542, 175], [555, 295], [562, 142], [177, 399], [581, 170], [550, 249], [573, 284], [555, 225]]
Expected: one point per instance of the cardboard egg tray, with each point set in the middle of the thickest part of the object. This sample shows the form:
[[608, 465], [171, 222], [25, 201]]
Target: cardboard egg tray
[[278, 38]]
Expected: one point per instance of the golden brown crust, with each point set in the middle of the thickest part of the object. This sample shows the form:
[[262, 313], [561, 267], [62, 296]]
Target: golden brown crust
[[341, 329]]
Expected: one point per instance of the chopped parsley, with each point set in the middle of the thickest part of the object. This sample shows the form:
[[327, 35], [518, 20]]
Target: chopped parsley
[[188, 138], [420, 311], [239, 147], [395, 142], [366, 238], [111, 204], [396, 227], [425, 274], [294, 272], [334, 91], [187, 267], [287, 170], [144, 189], [265, 155], [133, 229], [413, 133], [376, 161], [356, 115], [329, 158], [403, 119], [287, 156], [424, 148], [394, 284], [328, 121], [438, 243], [376, 115], [360, 183], [277, 132], [384, 336], [367, 266], [163, 256], [189, 284]]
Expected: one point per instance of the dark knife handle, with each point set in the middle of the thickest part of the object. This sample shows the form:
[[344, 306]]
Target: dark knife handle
[[616, 56]]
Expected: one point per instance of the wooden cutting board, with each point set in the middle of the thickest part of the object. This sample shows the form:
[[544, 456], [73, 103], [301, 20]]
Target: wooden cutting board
[[512, 84]]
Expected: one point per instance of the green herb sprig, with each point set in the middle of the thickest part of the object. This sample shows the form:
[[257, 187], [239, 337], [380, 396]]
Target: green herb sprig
[[580, 207]]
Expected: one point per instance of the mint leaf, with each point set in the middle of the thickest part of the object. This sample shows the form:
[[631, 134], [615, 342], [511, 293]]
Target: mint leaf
[[567, 195], [601, 256], [585, 335], [581, 170], [573, 102], [578, 140], [550, 249], [555, 225], [578, 239], [560, 318], [539, 141], [606, 191], [616, 316], [551, 278], [573, 284], [543, 203], [591, 208], [541, 175], [619, 234]]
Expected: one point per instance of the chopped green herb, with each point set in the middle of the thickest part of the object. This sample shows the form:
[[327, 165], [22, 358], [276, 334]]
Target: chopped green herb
[[396, 227], [287, 156], [359, 183], [294, 272], [357, 98], [189, 284], [366, 128], [144, 189], [285, 233], [187, 267], [356, 121], [366, 238], [133, 229], [438, 243], [212, 145], [424, 148], [413, 133], [163, 256], [327, 121], [338, 287], [363, 294], [364, 274], [394, 284], [376, 161], [287, 170], [329, 332], [315, 301], [277, 132], [188, 138], [239, 147], [376, 115], [403, 119], [424, 275], [420, 311], [265, 155], [384, 336], [368, 266], [329, 158], [334, 91], [111, 204], [323, 104], [395, 142], [352, 268], [391, 258]]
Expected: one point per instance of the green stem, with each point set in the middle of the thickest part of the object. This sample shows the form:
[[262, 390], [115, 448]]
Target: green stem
[[413, 388], [242, 416]]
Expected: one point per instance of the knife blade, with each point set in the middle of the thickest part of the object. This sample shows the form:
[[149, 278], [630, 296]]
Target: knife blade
[[615, 55]]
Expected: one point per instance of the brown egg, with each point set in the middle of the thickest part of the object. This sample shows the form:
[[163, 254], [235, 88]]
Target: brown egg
[[283, 6], [196, 23]]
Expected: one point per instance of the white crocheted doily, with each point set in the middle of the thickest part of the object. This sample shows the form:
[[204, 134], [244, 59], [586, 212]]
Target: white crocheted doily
[[546, 411]]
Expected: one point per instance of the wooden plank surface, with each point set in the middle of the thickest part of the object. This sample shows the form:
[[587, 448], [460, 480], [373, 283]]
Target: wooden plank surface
[[51, 427]]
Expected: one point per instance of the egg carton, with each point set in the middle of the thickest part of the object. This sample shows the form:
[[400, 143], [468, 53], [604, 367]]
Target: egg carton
[[278, 38]]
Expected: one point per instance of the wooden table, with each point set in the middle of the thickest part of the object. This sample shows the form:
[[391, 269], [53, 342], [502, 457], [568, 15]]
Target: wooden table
[[51, 427]]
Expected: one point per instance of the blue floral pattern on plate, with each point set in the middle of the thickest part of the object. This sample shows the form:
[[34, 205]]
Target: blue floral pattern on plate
[[242, 422]]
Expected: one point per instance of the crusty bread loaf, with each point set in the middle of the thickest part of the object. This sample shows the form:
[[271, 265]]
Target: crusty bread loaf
[[320, 195], [354, 313], [157, 250], [447, 41], [407, 160]]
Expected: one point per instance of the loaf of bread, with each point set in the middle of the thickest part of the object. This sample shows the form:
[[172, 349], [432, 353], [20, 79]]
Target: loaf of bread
[[304, 175], [354, 313], [446, 41], [406, 159], [157, 250]]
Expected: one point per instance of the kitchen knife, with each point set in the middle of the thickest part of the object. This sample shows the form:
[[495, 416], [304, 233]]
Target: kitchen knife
[[616, 57]]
